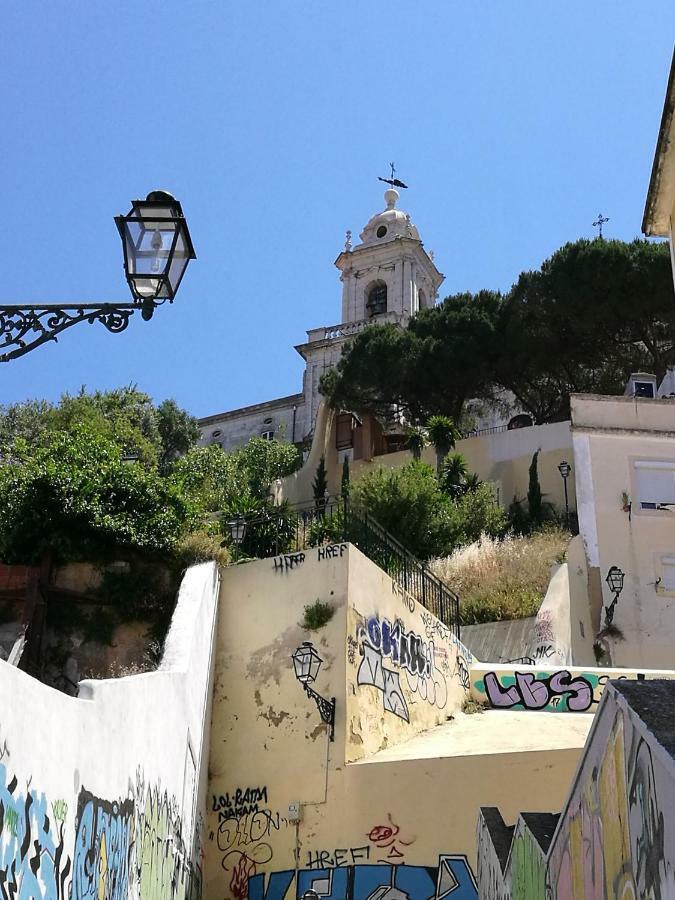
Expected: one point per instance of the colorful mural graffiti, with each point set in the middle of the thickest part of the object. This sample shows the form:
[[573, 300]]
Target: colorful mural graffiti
[[450, 878], [553, 690], [615, 840], [32, 858], [618, 834], [131, 847], [103, 843]]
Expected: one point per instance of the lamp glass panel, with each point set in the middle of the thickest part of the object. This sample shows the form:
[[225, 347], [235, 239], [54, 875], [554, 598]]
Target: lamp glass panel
[[181, 257]]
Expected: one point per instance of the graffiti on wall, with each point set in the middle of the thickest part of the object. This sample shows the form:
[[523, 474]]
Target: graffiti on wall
[[529, 691], [557, 691], [103, 844], [131, 847], [450, 879], [245, 824], [32, 858], [385, 642], [389, 845], [614, 840]]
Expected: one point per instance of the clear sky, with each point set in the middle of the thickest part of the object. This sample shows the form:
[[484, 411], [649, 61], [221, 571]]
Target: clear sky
[[514, 123]]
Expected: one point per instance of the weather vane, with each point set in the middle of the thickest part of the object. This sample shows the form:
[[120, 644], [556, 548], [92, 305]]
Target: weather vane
[[394, 182], [599, 222]]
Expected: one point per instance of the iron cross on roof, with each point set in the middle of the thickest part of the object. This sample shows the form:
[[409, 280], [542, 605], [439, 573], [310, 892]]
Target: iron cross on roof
[[599, 222], [394, 182]]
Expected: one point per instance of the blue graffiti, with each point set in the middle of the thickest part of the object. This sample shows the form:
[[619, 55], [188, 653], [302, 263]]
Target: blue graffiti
[[32, 861], [451, 879], [103, 845]]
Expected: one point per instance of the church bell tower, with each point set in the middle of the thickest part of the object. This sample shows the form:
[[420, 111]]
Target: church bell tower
[[389, 273], [387, 277]]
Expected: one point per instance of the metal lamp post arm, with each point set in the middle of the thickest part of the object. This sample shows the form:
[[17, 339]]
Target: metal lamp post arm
[[25, 327], [326, 709]]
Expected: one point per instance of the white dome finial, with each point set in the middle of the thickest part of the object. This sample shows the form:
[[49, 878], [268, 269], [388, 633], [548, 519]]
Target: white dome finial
[[390, 198]]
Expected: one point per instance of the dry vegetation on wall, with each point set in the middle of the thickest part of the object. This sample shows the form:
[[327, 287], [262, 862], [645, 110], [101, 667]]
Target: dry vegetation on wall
[[502, 579]]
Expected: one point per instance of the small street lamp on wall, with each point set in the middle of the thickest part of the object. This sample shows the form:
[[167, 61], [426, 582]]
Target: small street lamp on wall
[[307, 662], [614, 581], [157, 249], [565, 468]]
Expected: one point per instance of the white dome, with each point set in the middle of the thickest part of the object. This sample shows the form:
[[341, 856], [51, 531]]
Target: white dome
[[389, 224]]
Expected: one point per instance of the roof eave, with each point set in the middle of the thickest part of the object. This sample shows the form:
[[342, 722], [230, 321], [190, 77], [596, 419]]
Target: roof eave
[[664, 153]]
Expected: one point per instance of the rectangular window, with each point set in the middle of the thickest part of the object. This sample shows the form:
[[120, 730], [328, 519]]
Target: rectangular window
[[655, 484], [668, 573]]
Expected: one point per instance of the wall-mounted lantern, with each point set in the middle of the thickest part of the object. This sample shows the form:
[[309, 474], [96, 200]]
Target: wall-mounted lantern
[[307, 662], [614, 581]]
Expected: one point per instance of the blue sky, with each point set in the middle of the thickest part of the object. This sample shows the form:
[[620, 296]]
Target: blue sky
[[514, 123]]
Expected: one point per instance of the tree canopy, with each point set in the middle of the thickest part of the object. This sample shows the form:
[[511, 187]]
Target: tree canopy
[[589, 316], [110, 472]]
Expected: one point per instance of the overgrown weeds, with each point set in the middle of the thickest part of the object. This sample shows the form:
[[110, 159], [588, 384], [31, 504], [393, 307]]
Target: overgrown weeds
[[317, 615], [502, 579]]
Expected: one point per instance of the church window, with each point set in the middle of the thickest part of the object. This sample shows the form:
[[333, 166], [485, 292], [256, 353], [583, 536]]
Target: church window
[[216, 433], [268, 435], [422, 299], [377, 299], [381, 231], [267, 421]]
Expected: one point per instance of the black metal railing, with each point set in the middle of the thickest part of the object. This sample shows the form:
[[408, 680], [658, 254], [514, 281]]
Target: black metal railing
[[286, 530]]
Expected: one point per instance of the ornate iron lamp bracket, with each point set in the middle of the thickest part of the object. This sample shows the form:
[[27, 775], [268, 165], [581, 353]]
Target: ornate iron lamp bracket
[[22, 328], [326, 709]]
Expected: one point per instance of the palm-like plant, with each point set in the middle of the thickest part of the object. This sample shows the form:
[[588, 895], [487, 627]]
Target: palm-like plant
[[442, 434], [454, 475], [416, 441]]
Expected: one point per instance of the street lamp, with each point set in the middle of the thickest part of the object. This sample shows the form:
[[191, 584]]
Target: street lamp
[[307, 662], [157, 248], [565, 468], [237, 529], [614, 582]]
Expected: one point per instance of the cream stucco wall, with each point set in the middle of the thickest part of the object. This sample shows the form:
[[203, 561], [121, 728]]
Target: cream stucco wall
[[288, 810], [610, 433], [502, 458]]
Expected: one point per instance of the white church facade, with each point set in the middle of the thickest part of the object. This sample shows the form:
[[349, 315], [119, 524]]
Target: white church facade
[[387, 277]]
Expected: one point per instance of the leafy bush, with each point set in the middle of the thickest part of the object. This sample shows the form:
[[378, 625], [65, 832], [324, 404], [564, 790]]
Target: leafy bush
[[409, 503], [74, 496]]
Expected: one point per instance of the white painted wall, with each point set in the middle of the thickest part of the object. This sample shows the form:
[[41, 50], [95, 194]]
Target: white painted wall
[[105, 792]]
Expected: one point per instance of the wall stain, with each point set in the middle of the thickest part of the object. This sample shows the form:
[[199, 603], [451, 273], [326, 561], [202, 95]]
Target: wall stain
[[274, 718], [271, 661], [315, 732], [258, 698]]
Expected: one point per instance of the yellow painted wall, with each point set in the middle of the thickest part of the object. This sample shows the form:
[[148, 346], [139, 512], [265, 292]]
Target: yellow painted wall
[[358, 820]]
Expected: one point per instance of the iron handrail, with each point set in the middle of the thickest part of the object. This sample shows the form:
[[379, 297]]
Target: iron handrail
[[293, 529]]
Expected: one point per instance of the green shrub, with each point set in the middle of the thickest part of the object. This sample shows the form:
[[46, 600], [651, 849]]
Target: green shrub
[[409, 503], [317, 615]]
